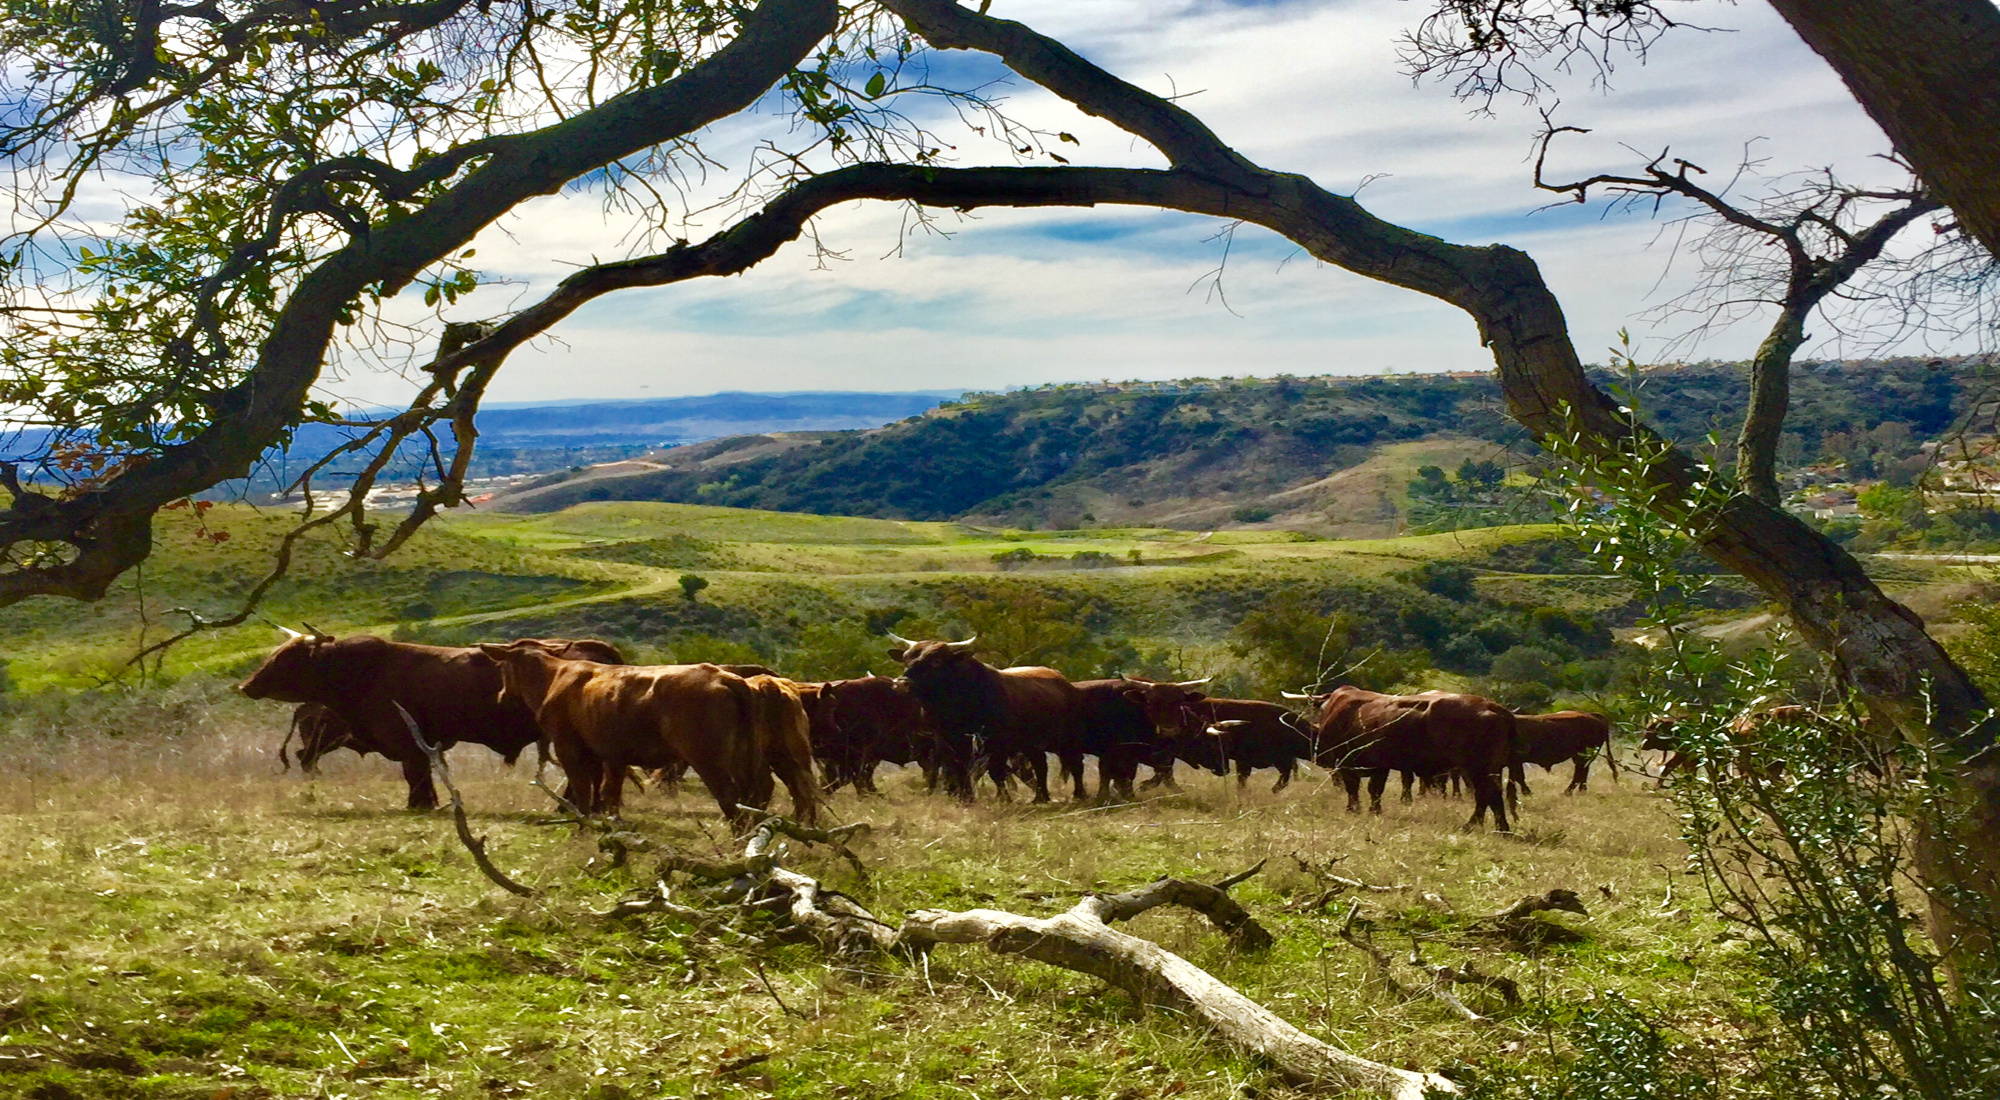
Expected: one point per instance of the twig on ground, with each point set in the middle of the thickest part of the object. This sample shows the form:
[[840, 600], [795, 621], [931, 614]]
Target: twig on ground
[[1440, 978], [1082, 940], [1338, 884], [1518, 922]]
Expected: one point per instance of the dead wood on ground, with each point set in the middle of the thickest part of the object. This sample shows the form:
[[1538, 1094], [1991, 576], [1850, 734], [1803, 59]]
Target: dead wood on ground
[[475, 845]]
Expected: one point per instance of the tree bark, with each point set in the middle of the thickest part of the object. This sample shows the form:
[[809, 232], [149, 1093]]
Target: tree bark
[[1928, 73]]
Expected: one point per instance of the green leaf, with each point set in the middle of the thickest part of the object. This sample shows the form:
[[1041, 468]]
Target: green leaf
[[877, 84]]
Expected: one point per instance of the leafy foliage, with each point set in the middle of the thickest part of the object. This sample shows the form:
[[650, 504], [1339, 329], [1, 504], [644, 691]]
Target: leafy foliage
[[1803, 826]]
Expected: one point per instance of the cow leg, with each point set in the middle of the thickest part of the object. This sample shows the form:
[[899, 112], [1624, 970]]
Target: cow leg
[[724, 787], [1378, 781], [611, 789], [1163, 775], [1119, 768], [1038, 765], [1352, 781], [1072, 769], [1579, 779], [864, 777], [1284, 777], [583, 775], [1486, 793], [797, 776], [1243, 770], [423, 792], [1409, 780]]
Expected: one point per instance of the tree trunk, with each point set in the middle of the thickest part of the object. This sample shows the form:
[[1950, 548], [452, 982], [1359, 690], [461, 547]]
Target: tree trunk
[[1770, 399], [1928, 73]]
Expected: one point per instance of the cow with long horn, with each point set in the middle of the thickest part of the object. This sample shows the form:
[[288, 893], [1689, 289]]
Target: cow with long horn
[[985, 717]]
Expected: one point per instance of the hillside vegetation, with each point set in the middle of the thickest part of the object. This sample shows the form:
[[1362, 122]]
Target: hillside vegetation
[[1329, 455], [1512, 610]]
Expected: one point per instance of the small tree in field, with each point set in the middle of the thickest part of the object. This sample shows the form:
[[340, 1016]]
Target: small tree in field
[[692, 583]]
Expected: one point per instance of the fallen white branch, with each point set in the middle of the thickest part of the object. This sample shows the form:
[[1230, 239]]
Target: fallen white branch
[[1081, 940], [475, 845]]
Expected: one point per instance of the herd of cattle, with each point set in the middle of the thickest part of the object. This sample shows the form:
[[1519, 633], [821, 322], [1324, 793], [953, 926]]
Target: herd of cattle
[[743, 728]]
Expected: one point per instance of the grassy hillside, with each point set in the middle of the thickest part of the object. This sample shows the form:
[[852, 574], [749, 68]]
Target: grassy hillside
[[1333, 456]]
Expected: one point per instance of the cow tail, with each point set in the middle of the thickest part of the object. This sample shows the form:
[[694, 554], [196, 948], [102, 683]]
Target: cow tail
[[1610, 758], [284, 757]]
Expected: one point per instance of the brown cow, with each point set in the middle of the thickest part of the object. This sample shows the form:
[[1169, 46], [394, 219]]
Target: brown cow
[[451, 693], [865, 721], [1746, 754], [1252, 734], [1550, 739], [1127, 721], [1368, 733], [599, 720], [985, 716]]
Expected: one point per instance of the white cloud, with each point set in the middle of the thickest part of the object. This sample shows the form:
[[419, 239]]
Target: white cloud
[[1015, 297]]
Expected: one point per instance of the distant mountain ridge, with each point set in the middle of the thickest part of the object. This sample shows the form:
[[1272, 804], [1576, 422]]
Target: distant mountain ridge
[[1331, 455]]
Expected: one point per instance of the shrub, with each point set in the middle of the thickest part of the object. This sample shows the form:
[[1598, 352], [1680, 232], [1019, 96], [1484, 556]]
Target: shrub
[[1252, 513], [1015, 558], [692, 583]]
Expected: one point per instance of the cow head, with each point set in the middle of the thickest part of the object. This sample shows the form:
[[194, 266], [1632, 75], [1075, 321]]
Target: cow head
[[292, 674], [936, 670], [1168, 704], [1659, 734], [1219, 739], [526, 668]]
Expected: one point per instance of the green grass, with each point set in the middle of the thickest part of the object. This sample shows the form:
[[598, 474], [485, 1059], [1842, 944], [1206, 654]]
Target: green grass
[[178, 919], [614, 568]]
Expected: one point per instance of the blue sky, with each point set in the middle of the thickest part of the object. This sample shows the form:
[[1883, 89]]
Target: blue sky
[[1022, 297]]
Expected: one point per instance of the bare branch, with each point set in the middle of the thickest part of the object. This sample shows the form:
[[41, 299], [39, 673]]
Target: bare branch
[[475, 845]]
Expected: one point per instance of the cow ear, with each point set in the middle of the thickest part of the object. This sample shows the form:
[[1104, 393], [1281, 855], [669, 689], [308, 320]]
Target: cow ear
[[1195, 697], [896, 653], [494, 649]]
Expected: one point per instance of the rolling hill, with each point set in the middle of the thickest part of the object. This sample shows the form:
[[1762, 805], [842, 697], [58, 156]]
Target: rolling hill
[[1330, 456]]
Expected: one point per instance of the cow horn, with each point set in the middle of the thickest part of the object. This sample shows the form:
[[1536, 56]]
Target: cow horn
[[312, 630], [964, 645], [1193, 683], [1293, 695], [289, 632], [898, 638]]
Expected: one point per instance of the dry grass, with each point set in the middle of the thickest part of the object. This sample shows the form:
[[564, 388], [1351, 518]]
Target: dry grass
[[178, 919]]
